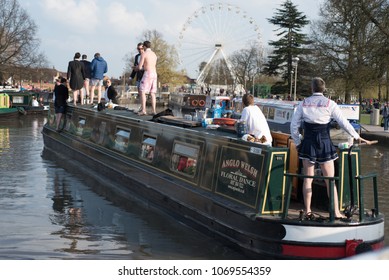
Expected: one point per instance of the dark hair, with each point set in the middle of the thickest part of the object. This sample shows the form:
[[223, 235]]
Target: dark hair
[[247, 99], [84, 56], [147, 44], [63, 80], [97, 54], [318, 85], [77, 55], [139, 44]]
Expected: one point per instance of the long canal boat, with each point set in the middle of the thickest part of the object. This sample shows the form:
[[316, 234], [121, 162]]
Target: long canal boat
[[243, 193]]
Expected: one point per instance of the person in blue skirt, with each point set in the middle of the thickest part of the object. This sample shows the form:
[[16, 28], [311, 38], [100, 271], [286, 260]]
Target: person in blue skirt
[[314, 114]]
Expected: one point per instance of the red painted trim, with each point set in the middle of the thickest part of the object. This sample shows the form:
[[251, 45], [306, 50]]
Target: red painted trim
[[320, 252]]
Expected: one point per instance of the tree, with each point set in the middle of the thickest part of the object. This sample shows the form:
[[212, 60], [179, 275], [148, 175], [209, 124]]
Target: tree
[[291, 43], [349, 45], [167, 62], [246, 64], [18, 42]]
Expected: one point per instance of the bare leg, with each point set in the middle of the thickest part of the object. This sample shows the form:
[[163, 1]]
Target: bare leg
[[81, 96], [141, 109], [308, 169], [143, 102], [328, 170], [86, 88], [92, 94], [153, 103], [99, 93], [75, 96]]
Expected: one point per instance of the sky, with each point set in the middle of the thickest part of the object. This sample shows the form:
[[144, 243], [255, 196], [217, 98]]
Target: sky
[[114, 27]]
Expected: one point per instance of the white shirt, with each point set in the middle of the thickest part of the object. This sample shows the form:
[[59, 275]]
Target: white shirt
[[256, 123], [320, 110], [35, 103]]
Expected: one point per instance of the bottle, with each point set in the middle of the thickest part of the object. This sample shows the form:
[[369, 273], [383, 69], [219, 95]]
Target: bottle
[[241, 129]]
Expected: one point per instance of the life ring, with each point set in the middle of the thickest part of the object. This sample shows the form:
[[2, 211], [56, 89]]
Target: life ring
[[202, 103], [194, 102]]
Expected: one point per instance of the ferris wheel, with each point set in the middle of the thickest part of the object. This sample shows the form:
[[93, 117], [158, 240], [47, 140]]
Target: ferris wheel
[[212, 33]]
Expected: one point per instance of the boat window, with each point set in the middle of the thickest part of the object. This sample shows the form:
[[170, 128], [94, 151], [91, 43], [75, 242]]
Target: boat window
[[17, 99], [122, 137], [81, 125], [148, 147], [270, 115], [184, 159], [265, 110]]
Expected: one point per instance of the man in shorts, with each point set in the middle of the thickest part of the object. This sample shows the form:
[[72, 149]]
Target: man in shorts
[[148, 83], [98, 69]]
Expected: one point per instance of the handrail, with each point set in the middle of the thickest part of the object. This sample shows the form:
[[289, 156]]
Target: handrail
[[361, 178], [331, 192]]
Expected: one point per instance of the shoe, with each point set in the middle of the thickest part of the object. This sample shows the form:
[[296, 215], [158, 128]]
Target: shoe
[[310, 216], [142, 114]]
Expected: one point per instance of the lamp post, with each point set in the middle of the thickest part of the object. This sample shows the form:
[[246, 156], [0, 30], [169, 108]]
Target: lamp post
[[295, 63]]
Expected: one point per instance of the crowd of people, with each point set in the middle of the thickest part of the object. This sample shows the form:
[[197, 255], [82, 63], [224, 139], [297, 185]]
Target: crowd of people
[[85, 77]]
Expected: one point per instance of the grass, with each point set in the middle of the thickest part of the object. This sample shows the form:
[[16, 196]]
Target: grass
[[364, 119]]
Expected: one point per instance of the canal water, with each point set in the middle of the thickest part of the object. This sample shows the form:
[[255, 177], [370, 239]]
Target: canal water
[[48, 213]]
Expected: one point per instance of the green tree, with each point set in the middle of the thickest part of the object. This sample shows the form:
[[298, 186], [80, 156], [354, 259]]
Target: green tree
[[291, 42], [349, 46]]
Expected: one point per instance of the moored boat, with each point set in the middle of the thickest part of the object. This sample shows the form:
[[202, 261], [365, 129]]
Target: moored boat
[[6, 111], [22, 100], [243, 193]]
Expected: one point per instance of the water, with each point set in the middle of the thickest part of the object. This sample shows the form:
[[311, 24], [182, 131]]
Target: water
[[48, 213]]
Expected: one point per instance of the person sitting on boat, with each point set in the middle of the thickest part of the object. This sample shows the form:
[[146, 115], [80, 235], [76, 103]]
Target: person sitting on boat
[[110, 92], [34, 102], [256, 123], [315, 114]]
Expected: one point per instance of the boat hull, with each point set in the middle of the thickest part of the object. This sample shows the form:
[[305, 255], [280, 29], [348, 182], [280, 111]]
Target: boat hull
[[200, 201]]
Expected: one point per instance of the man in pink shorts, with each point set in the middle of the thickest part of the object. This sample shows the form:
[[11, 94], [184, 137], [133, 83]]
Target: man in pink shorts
[[149, 80]]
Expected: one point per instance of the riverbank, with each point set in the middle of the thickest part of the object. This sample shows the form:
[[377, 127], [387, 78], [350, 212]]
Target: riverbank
[[375, 132]]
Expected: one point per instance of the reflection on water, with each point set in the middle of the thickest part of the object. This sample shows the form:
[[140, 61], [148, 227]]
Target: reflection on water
[[48, 213]]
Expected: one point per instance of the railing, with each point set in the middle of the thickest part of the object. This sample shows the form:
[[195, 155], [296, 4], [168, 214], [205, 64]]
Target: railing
[[331, 192], [360, 186]]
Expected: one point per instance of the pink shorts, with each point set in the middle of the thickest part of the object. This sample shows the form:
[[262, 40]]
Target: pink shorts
[[148, 82]]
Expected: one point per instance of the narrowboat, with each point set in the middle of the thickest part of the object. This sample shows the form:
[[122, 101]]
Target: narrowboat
[[6, 110], [279, 113], [22, 100], [246, 194]]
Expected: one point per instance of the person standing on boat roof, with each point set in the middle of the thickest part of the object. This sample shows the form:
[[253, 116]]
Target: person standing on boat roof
[[61, 93], [256, 122], [87, 70], [138, 73], [76, 74], [98, 68], [315, 113], [148, 62]]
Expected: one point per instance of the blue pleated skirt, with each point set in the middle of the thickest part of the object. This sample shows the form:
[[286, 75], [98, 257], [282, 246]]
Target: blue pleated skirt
[[317, 146]]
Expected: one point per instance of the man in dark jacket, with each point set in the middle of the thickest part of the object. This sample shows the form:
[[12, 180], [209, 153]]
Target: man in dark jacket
[[87, 70], [98, 68], [138, 73]]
